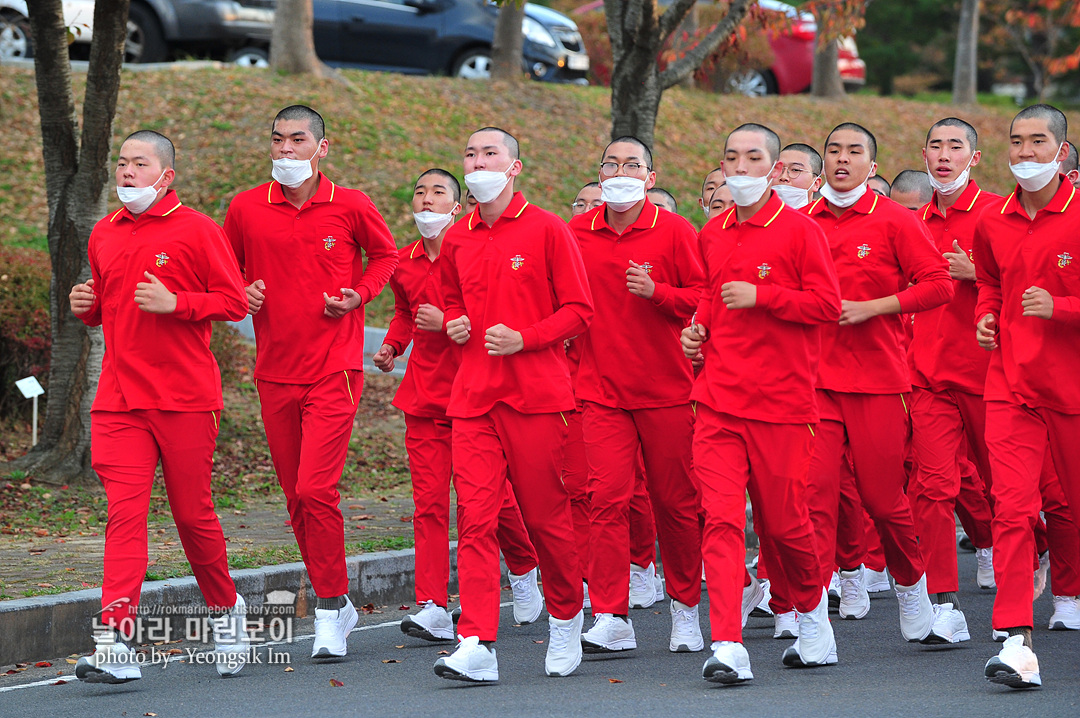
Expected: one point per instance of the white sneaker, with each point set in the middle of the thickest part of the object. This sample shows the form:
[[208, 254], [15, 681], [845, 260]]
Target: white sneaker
[[642, 585], [1066, 614], [231, 642], [762, 610], [586, 602], [834, 591], [729, 664], [787, 625], [609, 634], [528, 601], [564, 645], [1014, 666], [685, 631], [916, 613], [998, 636], [431, 623], [816, 644], [751, 597], [984, 576], [658, 584], [950, 626], [854, 600], [112, 661], [877, 581], [332, 628], [472, 661]]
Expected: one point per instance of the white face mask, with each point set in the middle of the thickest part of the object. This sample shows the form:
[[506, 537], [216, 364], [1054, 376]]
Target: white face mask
[[948, 188], [747, 190], [138, 199], [431, 223], [846, 199], [487, 185], [1033, 176], [793, 196], [622, 193], [705, 209], [293, 173]]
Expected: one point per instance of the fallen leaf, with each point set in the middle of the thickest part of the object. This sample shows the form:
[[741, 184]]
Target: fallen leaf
[[173, 652], [71, 661], [391, 660], [335, 683], [148, 713], [537, 641], [368, 608], [405, 519], [43, 664], [381, 498], [614, 680], [41, 532], [443, 653], [663, 684], [289, 669], [403, 607], [21, 665], [401, 646], [362, 517], [45, 585], [356, 507], [60, 683]]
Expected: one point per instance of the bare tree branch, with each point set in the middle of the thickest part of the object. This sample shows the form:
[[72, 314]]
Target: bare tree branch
[[682, 68], [673, 16]]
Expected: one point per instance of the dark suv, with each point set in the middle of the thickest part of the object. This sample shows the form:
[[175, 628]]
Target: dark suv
[[448, 37]]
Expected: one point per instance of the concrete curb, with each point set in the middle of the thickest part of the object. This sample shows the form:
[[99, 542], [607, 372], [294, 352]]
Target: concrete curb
[[59, 625]]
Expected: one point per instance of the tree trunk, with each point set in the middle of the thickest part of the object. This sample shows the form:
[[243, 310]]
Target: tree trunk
[[76, 182], [967, 43], [827, 82], [507, 47], [292, 44], [635, 102]]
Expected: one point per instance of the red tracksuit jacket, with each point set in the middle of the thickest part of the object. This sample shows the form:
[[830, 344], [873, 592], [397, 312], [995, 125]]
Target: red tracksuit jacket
[[525, 272], [301, 253], [1036, 359], [878, 249], [763, 362], [631, 358], [161, 361]]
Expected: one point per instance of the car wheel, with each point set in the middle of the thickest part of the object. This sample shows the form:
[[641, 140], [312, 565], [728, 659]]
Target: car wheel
[[474, 65], [752, 83], [145, 41], [250, 57], [15, 40]]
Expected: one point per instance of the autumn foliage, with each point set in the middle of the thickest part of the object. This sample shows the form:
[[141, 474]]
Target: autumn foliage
[[24, 321]]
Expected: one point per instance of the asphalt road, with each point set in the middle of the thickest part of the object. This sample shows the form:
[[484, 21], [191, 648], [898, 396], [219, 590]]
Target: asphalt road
[[878, 674]]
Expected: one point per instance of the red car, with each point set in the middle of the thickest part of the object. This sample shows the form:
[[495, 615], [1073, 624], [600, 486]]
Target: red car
[[793, 66]]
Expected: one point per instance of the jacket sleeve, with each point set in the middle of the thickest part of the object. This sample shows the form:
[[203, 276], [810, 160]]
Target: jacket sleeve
[[923, 266], [817, 301], [570, 289], [680, 298], [382, 253], [400, 332], [987, 274], [224, 298]]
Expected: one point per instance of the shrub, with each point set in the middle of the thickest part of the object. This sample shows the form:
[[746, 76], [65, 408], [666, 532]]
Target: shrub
[[25, 329], [234, 354]]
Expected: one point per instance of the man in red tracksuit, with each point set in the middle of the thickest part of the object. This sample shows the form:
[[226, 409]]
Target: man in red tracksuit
[[160, 273], [300, 241], [769, 285], [1028, 317], [634, 385], [879, 248], [423, 396], [948, 374], [515, 290]]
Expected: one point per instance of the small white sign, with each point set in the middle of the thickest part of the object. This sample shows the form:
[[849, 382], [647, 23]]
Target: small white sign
[[29, 387]]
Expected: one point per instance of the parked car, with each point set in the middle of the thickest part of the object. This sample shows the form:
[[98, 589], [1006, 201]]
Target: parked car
[[436, 37], [793, 67], [156, 29], [792, 70]]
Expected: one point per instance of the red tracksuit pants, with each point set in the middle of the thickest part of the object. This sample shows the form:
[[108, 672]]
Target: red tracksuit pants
[[1017, 438], [941, 421], [527, 449], [576, 479], [613, 439], [308, 427], [428, 443], [1062, 534], [874, 428], [771, 461], [126, 448]]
